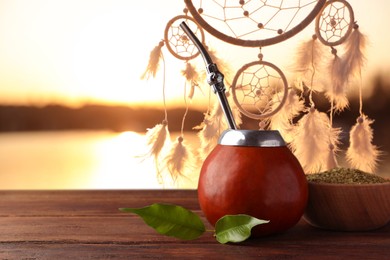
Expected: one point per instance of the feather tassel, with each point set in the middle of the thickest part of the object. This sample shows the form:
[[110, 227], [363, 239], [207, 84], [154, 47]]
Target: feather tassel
[[179, 160], [354, 57], [308, 61], [208, 137], [210, 129], [154, 62], [331, 161], [235, 111], [218, 118], [312, 139], [337, 92], [361, 153], [192, 76], [223, 66], [157, 138], [282, 120]]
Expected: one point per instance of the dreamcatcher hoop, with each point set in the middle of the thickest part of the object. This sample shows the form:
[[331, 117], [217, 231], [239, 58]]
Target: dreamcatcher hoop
[[281, 34], [177, 42], [332, 25], [266, 99]]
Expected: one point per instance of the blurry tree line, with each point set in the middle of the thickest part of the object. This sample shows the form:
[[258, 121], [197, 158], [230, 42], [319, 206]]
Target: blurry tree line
[[88, 117], [125, 118]]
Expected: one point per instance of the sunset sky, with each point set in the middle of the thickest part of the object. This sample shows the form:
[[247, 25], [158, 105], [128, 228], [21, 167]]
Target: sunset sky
[[76, 51]]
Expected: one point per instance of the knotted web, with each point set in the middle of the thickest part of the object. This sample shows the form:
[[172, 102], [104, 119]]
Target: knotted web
[[259, 89], [238, 21], [335, 22], [178, 42]]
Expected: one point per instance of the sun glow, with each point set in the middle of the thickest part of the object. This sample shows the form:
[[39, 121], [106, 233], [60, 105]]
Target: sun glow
[[92, 51], [77, 52], [79, 160], [74, 51], [119, 165], [122, 164]]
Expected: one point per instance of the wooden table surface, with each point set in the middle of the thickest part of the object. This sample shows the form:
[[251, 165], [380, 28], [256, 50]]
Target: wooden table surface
[[88, 225]]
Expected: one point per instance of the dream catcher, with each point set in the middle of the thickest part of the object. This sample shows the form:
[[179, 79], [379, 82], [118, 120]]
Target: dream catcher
[[254, 23], [177, 157], [174, 157], [259, 88], [335, 27], [333, 24]]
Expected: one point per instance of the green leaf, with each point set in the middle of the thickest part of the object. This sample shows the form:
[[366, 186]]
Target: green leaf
[[235, 228], [171, 220]]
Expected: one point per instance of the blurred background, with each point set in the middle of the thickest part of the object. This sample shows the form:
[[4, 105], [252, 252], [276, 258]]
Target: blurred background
[[74, 111]]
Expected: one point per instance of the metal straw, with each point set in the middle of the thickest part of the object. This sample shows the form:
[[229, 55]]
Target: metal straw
[[214, 76]]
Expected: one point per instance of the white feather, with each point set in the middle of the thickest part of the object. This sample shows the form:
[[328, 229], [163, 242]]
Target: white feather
[[354, 57], [222, 65], [208, 137], [179, 160], [308, 64], [331, 160], [337, 88], [193, 77], [210, 130], [282, 121], [157, 139], [361, 153], [154, 62], [235, 111], [312, 139]]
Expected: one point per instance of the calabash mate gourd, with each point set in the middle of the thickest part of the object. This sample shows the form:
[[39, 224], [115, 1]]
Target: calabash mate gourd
[[253, 172], [249, 172]]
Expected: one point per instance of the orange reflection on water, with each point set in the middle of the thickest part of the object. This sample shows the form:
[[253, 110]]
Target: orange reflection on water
[[76, 160], [119, 165]]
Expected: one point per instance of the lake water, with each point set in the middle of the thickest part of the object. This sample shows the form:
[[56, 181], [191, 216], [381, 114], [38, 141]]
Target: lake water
[[84, 160], [78, 160]]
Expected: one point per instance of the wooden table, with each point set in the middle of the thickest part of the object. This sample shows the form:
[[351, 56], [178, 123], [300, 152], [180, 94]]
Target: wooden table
[[88, 225]]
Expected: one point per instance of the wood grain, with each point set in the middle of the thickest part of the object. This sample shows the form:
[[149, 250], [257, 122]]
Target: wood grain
[[347, 207], [88, 225]]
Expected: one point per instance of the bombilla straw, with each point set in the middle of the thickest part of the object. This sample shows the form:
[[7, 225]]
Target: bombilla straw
[[214, 76]]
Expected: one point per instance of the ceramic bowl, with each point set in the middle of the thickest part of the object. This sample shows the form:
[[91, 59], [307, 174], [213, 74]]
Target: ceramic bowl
[[348, 207]]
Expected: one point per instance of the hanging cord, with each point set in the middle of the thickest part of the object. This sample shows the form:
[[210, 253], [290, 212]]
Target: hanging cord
[[334, 52], [331, 145], [260, 55], [262, 123], [314, 37], [209, 104], [186, 112], [360, 94], [163, 90]]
